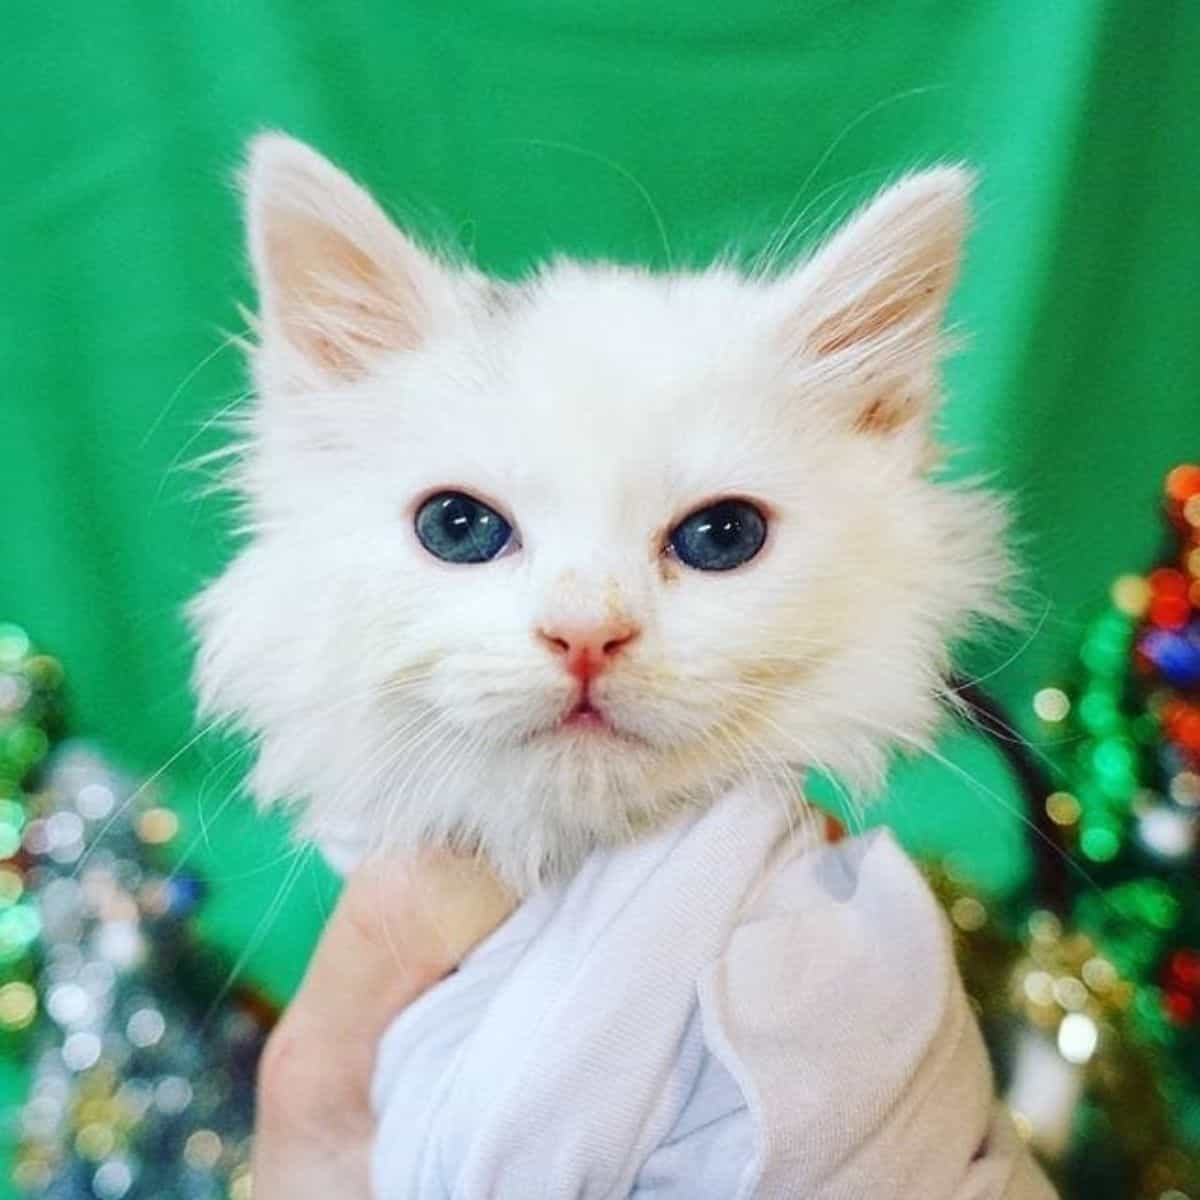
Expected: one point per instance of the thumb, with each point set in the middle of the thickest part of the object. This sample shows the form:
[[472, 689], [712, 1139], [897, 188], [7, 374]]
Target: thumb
[[396, 931]]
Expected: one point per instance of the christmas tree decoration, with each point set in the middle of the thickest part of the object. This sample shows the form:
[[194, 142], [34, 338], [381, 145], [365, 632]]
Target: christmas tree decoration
[[140, 1087], [142, 1072], [30, 715], [1114, 985], [1088, 1083]]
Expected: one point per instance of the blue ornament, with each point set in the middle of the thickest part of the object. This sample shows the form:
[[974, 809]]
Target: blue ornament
[[1176, 654], [183, 894]]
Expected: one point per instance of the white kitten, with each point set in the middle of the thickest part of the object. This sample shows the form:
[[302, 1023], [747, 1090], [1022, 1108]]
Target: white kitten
[[608, 661]]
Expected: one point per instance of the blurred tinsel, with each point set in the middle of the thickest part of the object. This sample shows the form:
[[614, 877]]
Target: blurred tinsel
[[141, 1071], [1092, 991], [1089, 988]]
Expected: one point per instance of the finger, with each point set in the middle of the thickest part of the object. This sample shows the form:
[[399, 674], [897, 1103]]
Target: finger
[[397, 930]]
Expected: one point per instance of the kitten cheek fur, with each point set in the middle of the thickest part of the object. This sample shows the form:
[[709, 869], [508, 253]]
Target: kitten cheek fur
[[397, 701]]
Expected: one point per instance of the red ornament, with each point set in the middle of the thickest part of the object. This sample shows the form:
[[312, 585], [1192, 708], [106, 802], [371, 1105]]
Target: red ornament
[[1183, 971], [1181, 986], [1166, 581], [1181, 720], [1179, 1007], [1170, 612], [1169, 604], [1188, 734], [1183, 483]]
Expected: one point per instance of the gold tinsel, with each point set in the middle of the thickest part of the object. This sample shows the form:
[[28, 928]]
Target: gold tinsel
[[1046, 976]]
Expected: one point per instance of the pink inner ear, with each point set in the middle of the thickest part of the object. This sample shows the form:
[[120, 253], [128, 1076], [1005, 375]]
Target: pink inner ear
[[918, 302], [877, 290], [336, 304], [339, 283]]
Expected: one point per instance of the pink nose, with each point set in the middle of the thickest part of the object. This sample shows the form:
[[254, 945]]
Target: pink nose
[[588, 649]]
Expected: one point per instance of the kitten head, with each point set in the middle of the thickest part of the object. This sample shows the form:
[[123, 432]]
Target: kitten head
[[530, 567]]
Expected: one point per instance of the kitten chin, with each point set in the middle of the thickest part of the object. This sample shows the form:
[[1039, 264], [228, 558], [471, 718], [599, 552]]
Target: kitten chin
[[532, 568]]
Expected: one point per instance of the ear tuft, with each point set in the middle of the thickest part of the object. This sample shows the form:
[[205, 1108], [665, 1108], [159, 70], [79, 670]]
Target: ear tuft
[[338, 283], [871, 301]]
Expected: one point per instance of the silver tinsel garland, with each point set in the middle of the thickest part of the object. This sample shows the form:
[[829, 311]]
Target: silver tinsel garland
[[142, 1069]]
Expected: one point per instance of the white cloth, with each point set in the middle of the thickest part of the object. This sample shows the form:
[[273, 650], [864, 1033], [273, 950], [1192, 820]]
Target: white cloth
[[723, 1011]]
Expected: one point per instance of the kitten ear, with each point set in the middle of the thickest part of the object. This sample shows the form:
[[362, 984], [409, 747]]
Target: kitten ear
[[871, 301], [338, 283]]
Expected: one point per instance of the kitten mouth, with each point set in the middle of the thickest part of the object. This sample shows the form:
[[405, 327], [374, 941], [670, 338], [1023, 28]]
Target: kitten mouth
[[585, 715], [587, 718]]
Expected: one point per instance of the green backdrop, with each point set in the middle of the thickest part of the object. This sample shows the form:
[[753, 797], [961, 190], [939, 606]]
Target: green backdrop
[[596, 127]]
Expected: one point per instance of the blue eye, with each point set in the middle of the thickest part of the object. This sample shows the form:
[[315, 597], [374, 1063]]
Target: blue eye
[[720, 537], [460, 529]]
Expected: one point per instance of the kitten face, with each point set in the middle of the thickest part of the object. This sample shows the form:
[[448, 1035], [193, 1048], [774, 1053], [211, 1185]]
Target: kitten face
[[589, 675]]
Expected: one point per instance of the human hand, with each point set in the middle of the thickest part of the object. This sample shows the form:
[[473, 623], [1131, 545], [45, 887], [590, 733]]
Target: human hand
[[396, 931]]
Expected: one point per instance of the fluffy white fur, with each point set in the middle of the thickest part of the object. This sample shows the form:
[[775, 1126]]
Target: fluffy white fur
[[401, 701]]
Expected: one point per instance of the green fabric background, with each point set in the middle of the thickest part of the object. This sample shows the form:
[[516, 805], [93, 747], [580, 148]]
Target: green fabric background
[[595, 127]]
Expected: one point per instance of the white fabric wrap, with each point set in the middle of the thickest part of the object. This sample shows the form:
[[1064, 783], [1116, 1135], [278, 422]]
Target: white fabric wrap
[[727, 1010]]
